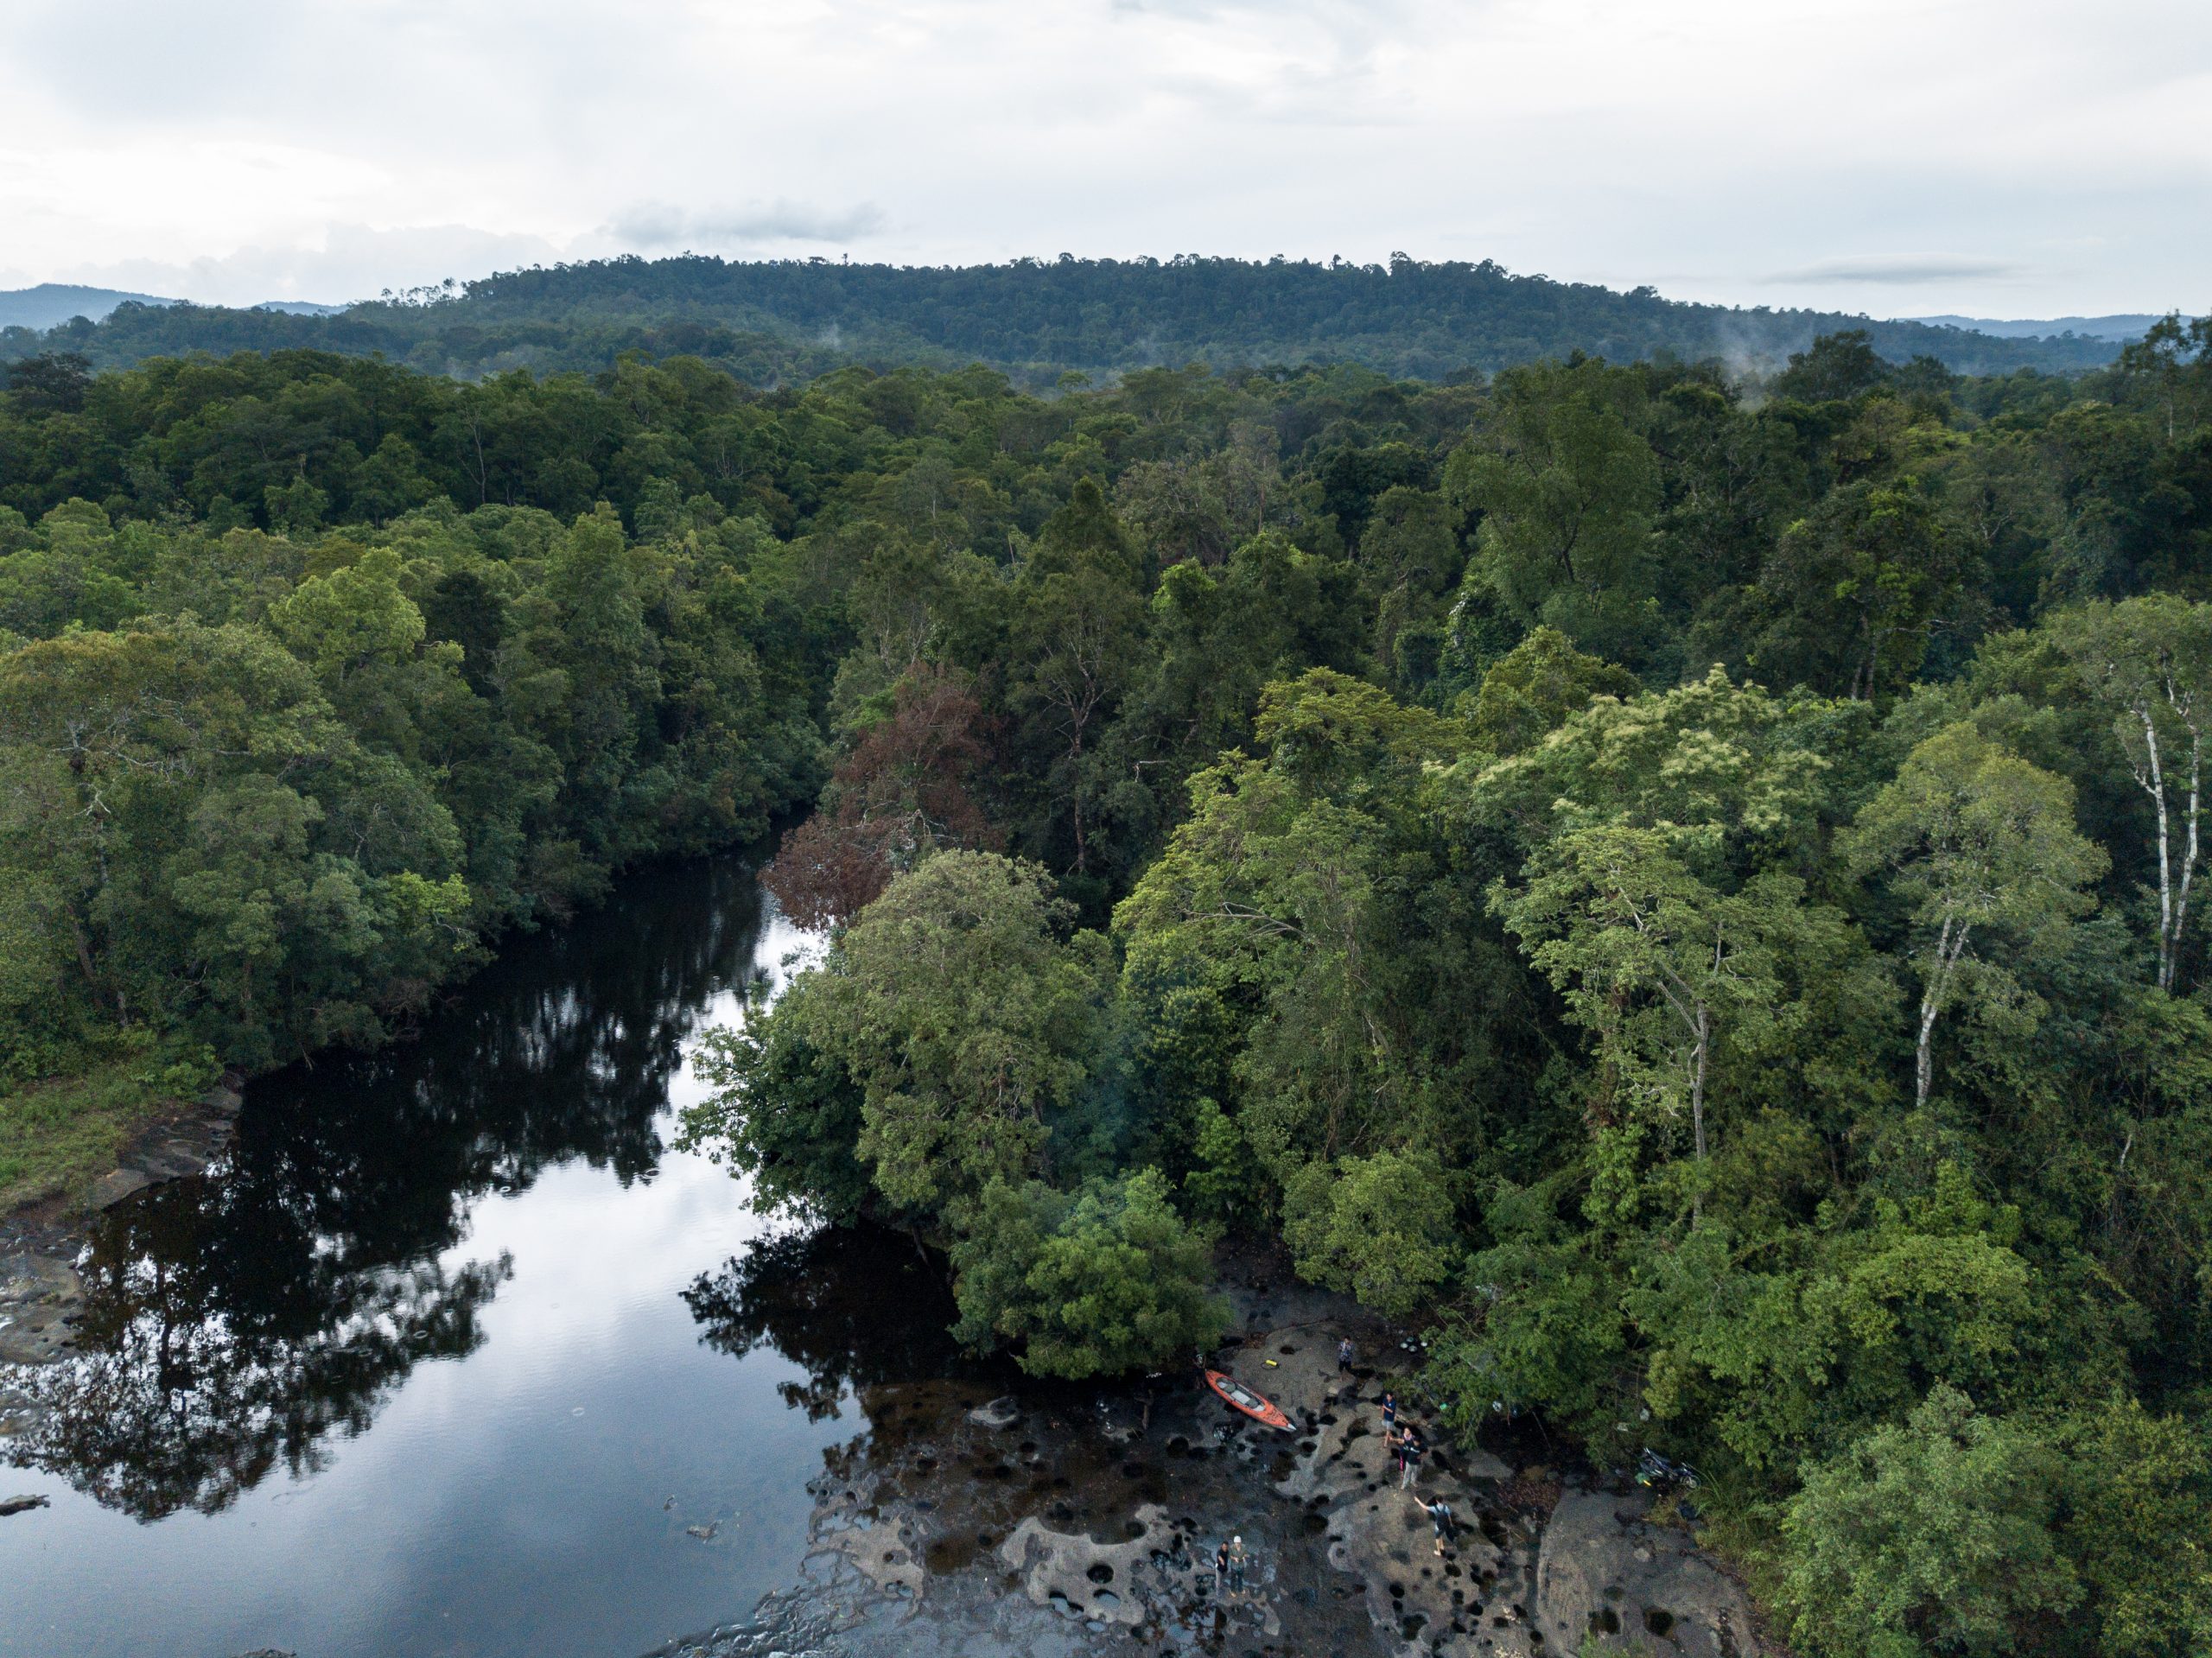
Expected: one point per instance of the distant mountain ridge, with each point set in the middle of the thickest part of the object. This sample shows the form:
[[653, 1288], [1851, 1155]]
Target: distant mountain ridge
[[776, 320], [50, 304], [53, 304], [2122, 327]]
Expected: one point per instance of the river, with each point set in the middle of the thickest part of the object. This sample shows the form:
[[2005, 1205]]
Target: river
[[417, 1368]]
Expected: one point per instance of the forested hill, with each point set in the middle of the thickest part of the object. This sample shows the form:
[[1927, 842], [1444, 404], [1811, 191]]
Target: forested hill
[[786, 320]]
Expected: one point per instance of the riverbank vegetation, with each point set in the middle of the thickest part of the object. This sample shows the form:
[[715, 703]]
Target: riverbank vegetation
[[1684, 898], [1687, 891]]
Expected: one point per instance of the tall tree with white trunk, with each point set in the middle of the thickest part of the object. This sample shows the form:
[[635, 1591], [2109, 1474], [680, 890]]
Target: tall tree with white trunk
[[1982, 846], [2148, 663]]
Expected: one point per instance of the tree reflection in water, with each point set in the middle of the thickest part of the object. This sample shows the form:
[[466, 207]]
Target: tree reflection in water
[[184, 1395], [235, 1321], [855, 1308]]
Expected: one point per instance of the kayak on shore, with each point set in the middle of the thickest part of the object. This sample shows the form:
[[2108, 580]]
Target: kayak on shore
[[1237, 1396]]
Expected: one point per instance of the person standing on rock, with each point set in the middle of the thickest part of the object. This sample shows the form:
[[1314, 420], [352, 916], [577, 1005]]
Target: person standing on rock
[[1440, 1515], [1221, 1569], [1409, 1449], [1389, 1412], [1343, 1355], [1237, 1566]]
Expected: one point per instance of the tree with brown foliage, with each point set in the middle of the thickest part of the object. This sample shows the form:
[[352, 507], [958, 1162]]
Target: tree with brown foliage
[[901, 794]]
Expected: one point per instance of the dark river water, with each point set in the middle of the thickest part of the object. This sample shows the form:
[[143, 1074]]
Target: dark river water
[[454, 1349]]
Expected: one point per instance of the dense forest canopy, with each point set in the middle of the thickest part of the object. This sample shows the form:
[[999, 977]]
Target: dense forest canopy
[[1689, 890], [786, 320]]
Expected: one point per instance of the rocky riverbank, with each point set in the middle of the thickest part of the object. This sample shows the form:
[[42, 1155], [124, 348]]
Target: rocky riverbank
[[40, 1293], [1060, 1522], [972, 1523]]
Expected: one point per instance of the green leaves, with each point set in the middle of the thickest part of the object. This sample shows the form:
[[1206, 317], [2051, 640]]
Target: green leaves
[[1853, 594], [1931, 1536], [1095, 1282], [1565, 487], [2147, 662], [1982, 846], [784, 1111], [966, 1023], [1378, 1228], [352, 617]]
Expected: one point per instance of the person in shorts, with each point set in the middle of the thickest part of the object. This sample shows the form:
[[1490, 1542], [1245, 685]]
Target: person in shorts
[[1440, 1516]]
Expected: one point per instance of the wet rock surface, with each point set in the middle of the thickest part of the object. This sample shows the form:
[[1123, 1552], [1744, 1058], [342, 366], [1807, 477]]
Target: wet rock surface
[[1606, 1569], [1064, 1521], [40, 1294], [1098, 1515]]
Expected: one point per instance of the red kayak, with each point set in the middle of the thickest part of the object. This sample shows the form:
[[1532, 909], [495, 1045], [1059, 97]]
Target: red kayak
[[1236, 1394]]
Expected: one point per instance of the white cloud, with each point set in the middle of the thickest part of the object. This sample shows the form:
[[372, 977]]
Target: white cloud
[[1730, 149], [1884, 268], [654, 226]]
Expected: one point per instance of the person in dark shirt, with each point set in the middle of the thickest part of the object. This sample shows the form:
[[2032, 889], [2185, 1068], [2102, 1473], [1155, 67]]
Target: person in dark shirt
[[1440, 1516], [1409, 1454]]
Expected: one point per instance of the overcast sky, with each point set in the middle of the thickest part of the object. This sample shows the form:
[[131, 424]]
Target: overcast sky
[[1998, 157]]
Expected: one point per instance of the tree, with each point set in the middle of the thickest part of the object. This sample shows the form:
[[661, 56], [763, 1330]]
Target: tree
[[1744, 776], [55, 381], [1378, 1228], [1225, 1181], [783, 1112], [1982, 846], [1851, 596], [1836, 366], [1936, 1536], [1094, 1282], [351, 619], [1537, 687], [965, 1022], [1075, 636], [902, 794], [2175, 358], [2140, 1527], [1410, 559], [1262, 897], [1658, 964], [1565, 486], [2148, 663]]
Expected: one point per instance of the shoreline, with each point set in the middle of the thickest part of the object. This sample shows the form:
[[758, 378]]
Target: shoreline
[[40, 1239], [1046, 1521]]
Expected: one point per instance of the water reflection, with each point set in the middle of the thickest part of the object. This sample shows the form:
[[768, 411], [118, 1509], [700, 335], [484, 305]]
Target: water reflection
[[855, 1307], [235, 1322]]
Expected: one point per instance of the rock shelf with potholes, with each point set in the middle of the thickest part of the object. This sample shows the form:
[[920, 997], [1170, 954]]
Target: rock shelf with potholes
[[968, 1516]]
